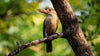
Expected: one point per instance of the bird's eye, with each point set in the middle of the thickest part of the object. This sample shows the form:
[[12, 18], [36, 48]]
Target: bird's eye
[[46, 8]]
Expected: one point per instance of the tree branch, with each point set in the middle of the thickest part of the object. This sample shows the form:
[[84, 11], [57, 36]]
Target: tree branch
[[21, 47]]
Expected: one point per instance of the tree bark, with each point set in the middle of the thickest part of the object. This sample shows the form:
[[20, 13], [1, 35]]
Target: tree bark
[[71, 29]]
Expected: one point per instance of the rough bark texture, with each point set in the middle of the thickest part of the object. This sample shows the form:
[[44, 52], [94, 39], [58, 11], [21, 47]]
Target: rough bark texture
[[71, 29]]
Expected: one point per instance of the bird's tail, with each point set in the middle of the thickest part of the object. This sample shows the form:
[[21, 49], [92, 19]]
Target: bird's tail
[[49, 46]]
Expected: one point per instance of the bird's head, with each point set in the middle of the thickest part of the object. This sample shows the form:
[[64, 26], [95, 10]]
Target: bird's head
[[49, 11]]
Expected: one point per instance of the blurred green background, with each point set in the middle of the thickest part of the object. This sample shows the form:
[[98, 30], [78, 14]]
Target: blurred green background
[[20, 21]]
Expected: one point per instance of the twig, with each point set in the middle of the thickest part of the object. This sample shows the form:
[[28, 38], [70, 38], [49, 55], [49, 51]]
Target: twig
[[21, 47], [18, 44]]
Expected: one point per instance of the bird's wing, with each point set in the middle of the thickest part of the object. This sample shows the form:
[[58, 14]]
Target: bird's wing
[[44, 29]]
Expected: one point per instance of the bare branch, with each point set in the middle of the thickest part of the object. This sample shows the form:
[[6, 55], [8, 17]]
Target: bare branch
[[21, 47]]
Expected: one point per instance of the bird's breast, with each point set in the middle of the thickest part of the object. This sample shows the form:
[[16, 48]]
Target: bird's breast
[[51, 25]]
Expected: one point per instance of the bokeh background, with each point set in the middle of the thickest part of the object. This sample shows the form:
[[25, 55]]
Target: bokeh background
[[20, 21]]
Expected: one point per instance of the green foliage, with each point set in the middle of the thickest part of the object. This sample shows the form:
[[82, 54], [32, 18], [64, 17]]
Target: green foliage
[[20, 21]]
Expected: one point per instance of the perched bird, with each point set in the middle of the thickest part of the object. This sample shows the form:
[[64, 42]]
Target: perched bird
[[49, 26]]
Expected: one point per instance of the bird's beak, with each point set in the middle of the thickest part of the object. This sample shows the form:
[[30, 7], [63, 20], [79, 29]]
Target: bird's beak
[[43, 11]]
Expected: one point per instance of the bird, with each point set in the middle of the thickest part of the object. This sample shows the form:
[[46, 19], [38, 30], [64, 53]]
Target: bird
[[50, 25]]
